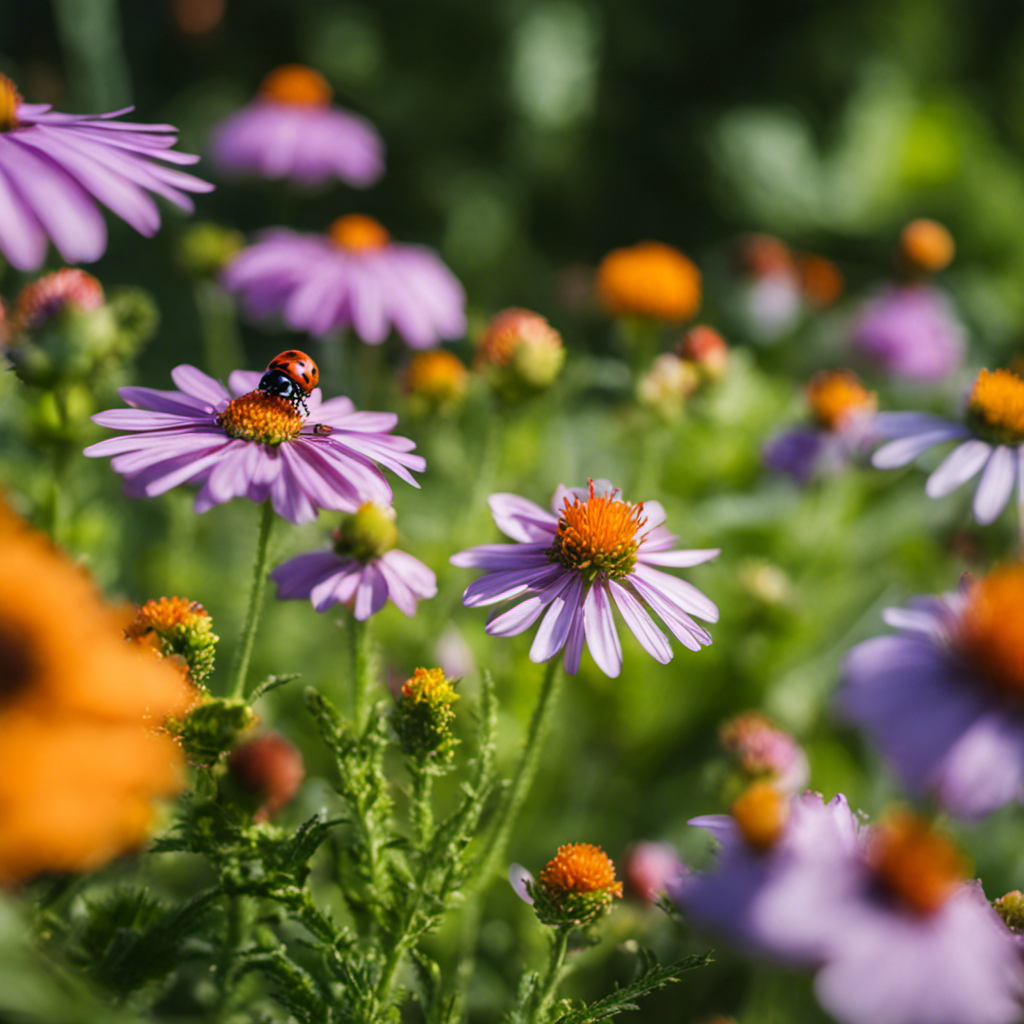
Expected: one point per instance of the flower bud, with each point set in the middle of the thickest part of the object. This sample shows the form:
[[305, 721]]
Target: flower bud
[[269, 770], [1011, 909], [213, 727], [649, 280], [51, 296], [821, 281], [520, 352], [706, 349], [665, 387], [763, 751], [576, 887], [650, 868], [423, 715], [925, 246], [206, 248], [177, 628], [366, 533], [435, 381]]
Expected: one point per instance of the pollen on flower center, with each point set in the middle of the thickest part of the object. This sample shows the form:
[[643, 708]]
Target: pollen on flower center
[[580, 868], [258, 416], [598, 536], [834, 396], [17, 667], [761, 813], [990, 633], [357, 232], [916, 865], [10, 100], [995, 406], [297, 85]]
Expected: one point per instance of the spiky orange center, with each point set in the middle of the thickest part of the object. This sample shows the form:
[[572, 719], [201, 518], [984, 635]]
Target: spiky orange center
[[430, 685], [835, 396], [10, 100], [258, 416], [996, 406], [598, 536], [926, 245], [356, 232], [649, 280], [990, 631], [297, 85], [580, 868], [164, 614], [761, 813], [918, 866]]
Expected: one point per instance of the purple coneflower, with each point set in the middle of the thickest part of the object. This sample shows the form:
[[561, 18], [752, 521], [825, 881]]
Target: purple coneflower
[[55, 168], [941, 698], [768, 838], [362, 570], [910, 331], [591, 552], [248, 443], [354, 276], [291, 131], [991, 439]]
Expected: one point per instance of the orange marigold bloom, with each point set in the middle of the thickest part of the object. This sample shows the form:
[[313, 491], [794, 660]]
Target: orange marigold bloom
[[649, 280], [82, 759]]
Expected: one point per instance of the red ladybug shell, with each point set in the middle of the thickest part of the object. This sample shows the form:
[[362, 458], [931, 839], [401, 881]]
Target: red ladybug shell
[[298, 367]]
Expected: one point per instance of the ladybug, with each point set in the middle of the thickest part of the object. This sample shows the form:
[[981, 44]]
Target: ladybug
[[292, 375]]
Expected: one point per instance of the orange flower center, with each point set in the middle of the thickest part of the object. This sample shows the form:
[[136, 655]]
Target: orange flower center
[[164, 615], [10, 100], [580, 868], [429, 685], [990, 634], [297, 85], [356, 232], [926, 245], [995, 406], [598, 536], [257, 416], [761, 813], [649, 280], [917, 865], [436, 374], [837, 395]]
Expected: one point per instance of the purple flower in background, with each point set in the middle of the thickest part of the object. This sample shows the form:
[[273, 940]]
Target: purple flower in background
[[55, 169], [363, 570], [591, 552], [910, 331], [353, 276], [248, 443], [651, 869], [768, 839], [801, 453], [291, 131], [991, 443], [761, 750], [902, 937], [941, 698]]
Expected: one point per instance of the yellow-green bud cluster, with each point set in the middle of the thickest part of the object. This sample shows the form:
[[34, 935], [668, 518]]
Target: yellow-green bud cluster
[[366, 533], [423, 716], [212, 728], [1011, 909], [178, 628]]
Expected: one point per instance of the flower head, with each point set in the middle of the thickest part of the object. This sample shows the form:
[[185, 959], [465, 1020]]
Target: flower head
[[925, 246], [991, 442], [362, 570], [821, 281], [247, 442], [423, 715], [354, 277], [909, 331], [651, 869], [649, 280], [82, 759], [177, 628], [291, 131], [591, 551], [268, 770], [55, 169], [707, 350], [943, 698], [763, 751], [667, 384], [50, 296], [435, 381], [575, 888], [520, 350], [837, 399]]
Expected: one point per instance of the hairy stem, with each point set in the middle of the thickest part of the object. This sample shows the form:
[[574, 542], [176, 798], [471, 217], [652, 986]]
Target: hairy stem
[[243, 655]]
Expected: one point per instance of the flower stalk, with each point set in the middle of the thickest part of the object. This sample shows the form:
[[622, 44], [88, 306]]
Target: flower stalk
[[240, 667]]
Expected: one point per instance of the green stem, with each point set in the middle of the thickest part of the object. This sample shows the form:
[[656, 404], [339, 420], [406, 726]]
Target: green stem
[[420, 810], [237, 924], [240, 668], [90, 36], [222, 348], [556, 963], [360, 669], [529, 761]]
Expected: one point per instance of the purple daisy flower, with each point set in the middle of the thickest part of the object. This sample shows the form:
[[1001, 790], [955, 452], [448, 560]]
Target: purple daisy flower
[[353, 276], [902, 937], [55, 169], [766, 840], [591, 552], [941, 698], [991, 443], [362, 570], [291, 131], [910, 331], [248, 443]]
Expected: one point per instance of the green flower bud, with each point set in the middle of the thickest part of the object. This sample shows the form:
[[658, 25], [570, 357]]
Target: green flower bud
[[178, 628], [423, 715], [1011, 909], [213, 727], [576, 887], [367, 533]]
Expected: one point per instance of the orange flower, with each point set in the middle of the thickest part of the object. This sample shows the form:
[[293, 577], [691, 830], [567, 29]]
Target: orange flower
[[649, 280], [82, 758]]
